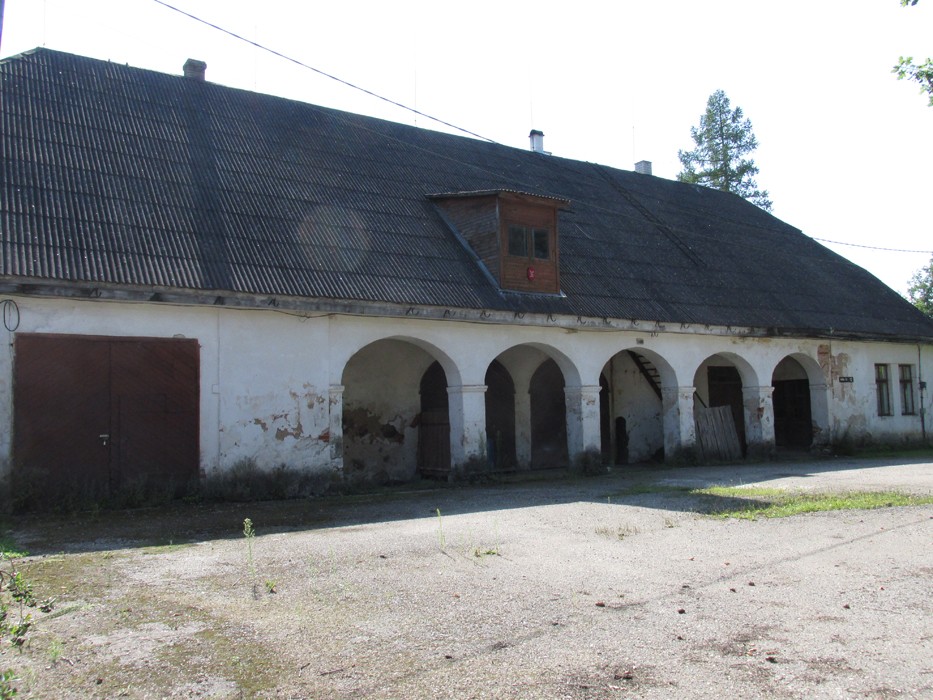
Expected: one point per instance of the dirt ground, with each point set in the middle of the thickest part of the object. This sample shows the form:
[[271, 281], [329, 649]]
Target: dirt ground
[[574, 588]]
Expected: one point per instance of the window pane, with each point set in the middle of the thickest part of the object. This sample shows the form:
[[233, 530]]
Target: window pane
[[541, 244], [518, 244], [907, 390], [883, 389]]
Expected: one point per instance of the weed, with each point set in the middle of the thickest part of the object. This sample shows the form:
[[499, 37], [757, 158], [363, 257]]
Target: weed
[[590, 463], [247, 481], [271, 586], [15, 594], [8, 547], [56, 647], [441, 541], [621, 532], [474, 470], [250, 534], [7, 684]]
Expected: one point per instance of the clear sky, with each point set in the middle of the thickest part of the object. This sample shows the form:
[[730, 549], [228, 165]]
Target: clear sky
[[845, 151]]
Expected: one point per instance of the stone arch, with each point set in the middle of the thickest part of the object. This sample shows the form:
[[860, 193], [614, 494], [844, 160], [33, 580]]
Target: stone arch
[[500, 417], [801, 404], [344, 352], [542, 401], [632, 412], [548, 416], [380, 408], [728, 379]]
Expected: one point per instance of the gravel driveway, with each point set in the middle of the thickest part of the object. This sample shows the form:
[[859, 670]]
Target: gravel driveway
[[580, 588]]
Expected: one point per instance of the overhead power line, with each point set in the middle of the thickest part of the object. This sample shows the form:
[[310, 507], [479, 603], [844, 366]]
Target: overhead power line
[[874, 247], [436, 119], [319, 71]]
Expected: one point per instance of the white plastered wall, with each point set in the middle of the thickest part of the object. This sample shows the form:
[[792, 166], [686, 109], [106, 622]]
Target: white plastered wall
[[269, 378]]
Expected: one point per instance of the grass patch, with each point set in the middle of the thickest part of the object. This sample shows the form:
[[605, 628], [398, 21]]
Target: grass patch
[[8, 547], [762, 502], [752, 503]]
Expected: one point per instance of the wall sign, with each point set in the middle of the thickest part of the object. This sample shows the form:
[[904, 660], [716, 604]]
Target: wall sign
[[846, 380]]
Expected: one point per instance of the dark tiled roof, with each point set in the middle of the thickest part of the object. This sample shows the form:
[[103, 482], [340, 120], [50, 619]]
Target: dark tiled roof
[[122, 176]]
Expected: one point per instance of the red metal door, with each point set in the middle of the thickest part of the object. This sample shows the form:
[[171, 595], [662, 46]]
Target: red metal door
[[154, 400], [92, 415], [61, 413]]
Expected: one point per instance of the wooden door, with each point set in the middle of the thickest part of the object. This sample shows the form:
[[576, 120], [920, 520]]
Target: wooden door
[[434, 425], [725, 389], [793, 426]]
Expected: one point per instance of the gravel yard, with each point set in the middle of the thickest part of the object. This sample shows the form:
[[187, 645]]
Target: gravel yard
[[574, 588]]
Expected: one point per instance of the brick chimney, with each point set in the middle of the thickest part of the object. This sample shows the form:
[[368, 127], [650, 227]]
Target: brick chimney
[[643, 167], [194, 69]]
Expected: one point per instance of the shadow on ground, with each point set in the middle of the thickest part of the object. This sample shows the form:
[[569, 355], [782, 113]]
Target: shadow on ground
[[179, 523]]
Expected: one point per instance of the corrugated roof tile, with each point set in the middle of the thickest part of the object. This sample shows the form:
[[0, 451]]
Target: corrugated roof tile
[[126, 176]]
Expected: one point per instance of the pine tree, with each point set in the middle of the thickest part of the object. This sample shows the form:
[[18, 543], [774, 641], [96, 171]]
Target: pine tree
[[723, 140]]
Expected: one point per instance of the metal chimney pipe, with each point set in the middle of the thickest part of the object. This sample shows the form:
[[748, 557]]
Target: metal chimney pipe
[[537, 141]]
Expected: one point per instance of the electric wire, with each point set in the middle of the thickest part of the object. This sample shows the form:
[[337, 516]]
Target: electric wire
[[874, 247], [473, 166], [281, 55]]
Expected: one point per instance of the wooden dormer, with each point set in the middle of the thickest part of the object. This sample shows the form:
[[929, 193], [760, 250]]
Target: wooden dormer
[[514, 234]]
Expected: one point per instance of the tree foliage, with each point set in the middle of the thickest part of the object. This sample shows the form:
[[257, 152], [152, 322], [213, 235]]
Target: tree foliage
[[921, 73], [920, 291], [723, 141]]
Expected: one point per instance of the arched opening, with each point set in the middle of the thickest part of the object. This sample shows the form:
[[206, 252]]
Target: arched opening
[[500, 417], [548, 417], [793, 419], [605, 413], [394, 411], [720, 409], [631, 415], [434, 424]]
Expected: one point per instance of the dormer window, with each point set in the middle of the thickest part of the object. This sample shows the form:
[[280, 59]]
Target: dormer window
[[514, 235], [533, 243]]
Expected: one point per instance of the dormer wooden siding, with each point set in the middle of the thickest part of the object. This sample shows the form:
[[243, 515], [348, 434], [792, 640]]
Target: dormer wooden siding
[[514, 235]]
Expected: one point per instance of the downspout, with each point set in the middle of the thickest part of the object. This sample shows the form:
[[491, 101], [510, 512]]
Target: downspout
[[922, 387]]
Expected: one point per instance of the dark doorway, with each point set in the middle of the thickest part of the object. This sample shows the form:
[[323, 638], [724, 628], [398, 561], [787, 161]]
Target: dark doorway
[[621, 441], [500, 417], [434, 428], [725, 389], [605, 411], [793, 425], [97, 416], [548, 417]]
